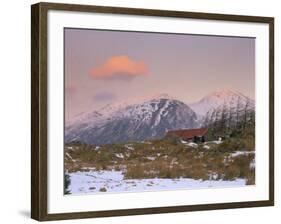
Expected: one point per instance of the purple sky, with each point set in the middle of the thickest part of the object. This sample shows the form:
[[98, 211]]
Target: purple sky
[[102, 67]]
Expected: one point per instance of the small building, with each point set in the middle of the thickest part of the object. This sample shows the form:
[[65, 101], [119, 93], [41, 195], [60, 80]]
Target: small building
[[195, 135]]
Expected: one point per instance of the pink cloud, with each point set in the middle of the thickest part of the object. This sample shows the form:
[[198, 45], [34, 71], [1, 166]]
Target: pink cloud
[[120, 67]]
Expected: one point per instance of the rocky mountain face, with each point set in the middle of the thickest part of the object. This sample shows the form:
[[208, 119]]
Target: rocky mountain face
[[132, 121], [151, 117]]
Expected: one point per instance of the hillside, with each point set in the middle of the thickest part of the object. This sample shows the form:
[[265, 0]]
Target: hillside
[[137, 121], [164, 159]]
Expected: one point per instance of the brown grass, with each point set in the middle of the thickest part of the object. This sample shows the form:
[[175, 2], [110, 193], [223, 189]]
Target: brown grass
[[171, 160]]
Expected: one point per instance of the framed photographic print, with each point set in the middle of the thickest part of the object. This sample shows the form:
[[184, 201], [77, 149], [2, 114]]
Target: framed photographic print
[[140, 111]]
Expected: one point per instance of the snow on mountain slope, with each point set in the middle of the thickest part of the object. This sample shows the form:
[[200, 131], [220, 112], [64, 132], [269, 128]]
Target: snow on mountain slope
[[107, 111], [133, 120], [217, 99], [149, 117]]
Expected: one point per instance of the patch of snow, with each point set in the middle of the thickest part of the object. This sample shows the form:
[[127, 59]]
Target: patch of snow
[[174, 161], [129, 147], [218, 141], [208, 142], [69, 147], [127, 154], [192, 144], [214, 176], [227, 160], [113, 181], [70, 157], [184, 142], [160, 113], [119, 155], [206, 147], [239, 153], [97, 148], [150, 158], [88, 168], [145, 142]]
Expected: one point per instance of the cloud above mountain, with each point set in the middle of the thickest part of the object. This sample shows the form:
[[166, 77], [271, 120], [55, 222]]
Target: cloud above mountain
[[120, 67]]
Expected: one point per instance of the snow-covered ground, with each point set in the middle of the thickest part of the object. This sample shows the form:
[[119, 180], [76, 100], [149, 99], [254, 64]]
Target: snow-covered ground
[[240, 153], [113, 181]]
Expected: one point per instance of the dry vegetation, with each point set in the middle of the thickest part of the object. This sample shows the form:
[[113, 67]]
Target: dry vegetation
[[167, 158]]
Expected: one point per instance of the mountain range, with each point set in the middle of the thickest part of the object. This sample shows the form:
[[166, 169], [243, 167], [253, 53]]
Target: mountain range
[[144, 118]]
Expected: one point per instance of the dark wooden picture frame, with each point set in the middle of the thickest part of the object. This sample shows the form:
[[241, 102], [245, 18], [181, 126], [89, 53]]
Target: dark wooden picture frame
[[39, 105]]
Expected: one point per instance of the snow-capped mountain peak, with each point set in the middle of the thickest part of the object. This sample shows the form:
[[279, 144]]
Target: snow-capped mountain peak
[[225, 95], [217, 99], [149, 117], [111, 108], [133, 120], [160, 96]]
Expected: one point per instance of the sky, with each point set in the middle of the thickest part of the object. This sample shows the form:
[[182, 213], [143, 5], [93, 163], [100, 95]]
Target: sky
[[103, 67]]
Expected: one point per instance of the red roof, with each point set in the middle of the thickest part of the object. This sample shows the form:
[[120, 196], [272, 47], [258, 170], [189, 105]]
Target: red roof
[[188, 133]]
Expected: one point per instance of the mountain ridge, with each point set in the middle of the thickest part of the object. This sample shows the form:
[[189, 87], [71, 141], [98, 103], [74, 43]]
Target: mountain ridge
[[136, 122], [148, 117]]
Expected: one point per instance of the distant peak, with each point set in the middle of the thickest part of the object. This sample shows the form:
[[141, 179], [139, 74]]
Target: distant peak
[[162, 96], [223, 93], [146, 98], [218, 98]]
